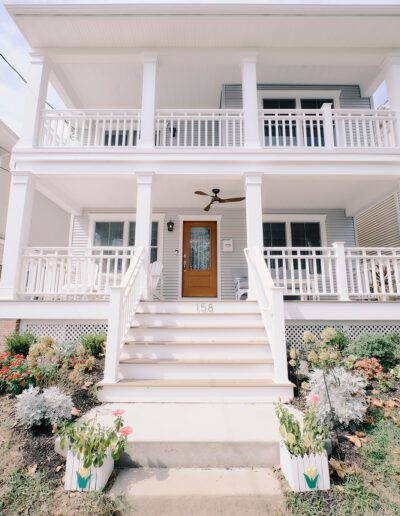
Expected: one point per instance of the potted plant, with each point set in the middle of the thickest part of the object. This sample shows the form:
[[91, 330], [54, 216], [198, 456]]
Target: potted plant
[[303, 457], [92, 449]]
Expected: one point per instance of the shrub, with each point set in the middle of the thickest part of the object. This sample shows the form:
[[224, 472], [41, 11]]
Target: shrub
[[385, 348], [35, 408], [18, 344], [65, 350], [323, 352], [16, 373], [94, 344], [369, 368], [40, 348], [346, 395]]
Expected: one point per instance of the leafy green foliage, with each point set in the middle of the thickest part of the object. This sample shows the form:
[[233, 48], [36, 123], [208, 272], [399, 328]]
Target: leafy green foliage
[[16, 373], [95, 344], [385, 348], [18, 344]]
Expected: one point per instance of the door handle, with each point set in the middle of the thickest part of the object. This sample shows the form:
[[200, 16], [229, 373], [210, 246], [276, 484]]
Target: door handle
[[184, 263]]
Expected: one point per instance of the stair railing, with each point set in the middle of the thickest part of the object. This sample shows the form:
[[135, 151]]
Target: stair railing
[[270, 301], [124, 301]]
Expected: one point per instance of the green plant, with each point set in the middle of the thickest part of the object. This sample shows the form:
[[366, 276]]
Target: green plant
[[94, 344], [91, 441], [40, 348], [385, 348], [300, 443], [35, 408], [18, 344], [368, 368], [324, 352], [16, 373], [298, 363], [385, 382]]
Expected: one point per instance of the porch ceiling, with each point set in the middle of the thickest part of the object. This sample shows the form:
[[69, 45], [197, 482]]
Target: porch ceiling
[[171, 191]]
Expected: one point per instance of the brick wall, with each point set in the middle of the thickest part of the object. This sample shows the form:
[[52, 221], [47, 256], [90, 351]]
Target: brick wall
[[7, 326]]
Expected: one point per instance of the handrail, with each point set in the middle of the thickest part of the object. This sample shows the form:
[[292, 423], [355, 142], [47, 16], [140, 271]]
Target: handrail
[[270, 300], [124, 301]]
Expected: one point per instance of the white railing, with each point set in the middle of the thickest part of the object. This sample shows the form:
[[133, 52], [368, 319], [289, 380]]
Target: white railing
[[329, 128], [337, 272], [365, 128], [270, 300], [89, 128], [72, 272], [373, 272], [124, 300], [206, 128]]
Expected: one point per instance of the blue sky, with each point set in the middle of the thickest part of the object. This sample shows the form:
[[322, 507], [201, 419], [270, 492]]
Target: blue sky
[[12, 88]]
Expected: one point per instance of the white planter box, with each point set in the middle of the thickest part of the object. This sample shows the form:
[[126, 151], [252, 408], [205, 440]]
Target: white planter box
[[98, 477], [295, 469]]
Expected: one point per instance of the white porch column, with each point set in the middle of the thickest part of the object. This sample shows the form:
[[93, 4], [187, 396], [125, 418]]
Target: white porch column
[[17, 232], [143, 221], [253, 187], [35, 101], [148, 102], [392, 80], [341, 271], [250, 106]]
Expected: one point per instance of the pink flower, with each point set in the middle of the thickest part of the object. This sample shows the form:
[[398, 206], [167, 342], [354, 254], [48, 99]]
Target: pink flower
[[74, 411], [126, 430], [118, 412], [313, 399]]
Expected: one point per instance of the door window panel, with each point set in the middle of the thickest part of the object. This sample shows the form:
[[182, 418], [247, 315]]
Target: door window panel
[[199, 248]]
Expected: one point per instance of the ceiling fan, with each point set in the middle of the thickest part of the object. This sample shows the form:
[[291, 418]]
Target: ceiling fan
[[215, 198]]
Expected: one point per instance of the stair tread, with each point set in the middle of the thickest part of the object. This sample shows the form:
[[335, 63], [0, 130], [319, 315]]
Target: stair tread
[[194, 343], [196, 327], [266, 382], [183, 361]]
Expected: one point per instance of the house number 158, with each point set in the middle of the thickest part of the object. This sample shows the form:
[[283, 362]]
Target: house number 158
[[205, 307]]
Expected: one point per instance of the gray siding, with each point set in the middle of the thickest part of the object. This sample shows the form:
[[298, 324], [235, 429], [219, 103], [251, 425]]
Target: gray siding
[[350, 96], [379, 226], [233, 225]]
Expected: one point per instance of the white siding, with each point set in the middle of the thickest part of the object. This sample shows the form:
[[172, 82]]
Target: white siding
[[379, 225], [233, 225]]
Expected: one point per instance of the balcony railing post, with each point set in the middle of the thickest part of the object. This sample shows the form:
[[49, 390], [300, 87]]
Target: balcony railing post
[[341, 271], [147, 121], [113, 335], [329, 137]]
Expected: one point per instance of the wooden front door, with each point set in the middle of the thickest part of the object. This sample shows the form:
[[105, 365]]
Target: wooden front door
[[199, 266]]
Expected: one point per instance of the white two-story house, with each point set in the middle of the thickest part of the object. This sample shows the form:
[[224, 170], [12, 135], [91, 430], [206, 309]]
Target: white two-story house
[[213, 157]]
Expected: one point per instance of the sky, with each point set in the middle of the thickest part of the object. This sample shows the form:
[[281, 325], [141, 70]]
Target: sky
[[12, 88]]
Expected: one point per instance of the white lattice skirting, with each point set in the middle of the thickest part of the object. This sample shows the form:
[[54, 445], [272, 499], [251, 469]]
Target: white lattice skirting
[[63, 331], [71, 331], [296, 329]]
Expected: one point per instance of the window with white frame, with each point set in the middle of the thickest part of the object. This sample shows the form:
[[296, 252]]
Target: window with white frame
[[119, 231]]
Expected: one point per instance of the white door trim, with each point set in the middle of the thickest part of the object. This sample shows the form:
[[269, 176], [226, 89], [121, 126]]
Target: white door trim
[[199, 218]]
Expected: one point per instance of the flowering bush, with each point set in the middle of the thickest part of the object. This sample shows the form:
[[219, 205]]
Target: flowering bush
[[341, 390], [298, 363], [16, 373], [297, 442], [35, 408], [323, 352], [40, 348], [368, 367], [91, 441]]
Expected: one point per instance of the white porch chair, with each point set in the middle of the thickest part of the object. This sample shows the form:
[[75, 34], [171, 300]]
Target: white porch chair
[[156, 278], [241, 288], [88, 280]]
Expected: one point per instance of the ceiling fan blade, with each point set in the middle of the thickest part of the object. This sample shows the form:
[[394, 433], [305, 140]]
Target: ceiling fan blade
[[198, 192], [207, 208], [233, 199]]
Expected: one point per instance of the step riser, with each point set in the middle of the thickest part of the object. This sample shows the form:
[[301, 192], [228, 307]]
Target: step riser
[[198, 321], [176, 351], [120, 393], [196, 335], [200, 454], [186, 307], [195, 371]]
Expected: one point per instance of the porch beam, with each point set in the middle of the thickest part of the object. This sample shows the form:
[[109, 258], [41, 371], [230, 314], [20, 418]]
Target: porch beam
[[19, 218], [144, 184], [254, 228], [250, 107], [35, 99], [147, 125]]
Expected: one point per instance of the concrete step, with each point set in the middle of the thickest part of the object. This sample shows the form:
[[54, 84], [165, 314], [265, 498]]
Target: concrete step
[[198, 320], [193, 435], [197, 391], [199, 492], [197, 335], [206, 350], [197, 368], [195, 307]]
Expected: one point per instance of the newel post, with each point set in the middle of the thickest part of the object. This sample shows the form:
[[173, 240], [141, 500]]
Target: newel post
[[329, 136], [114, 336], [278, 322], [341, 271]]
